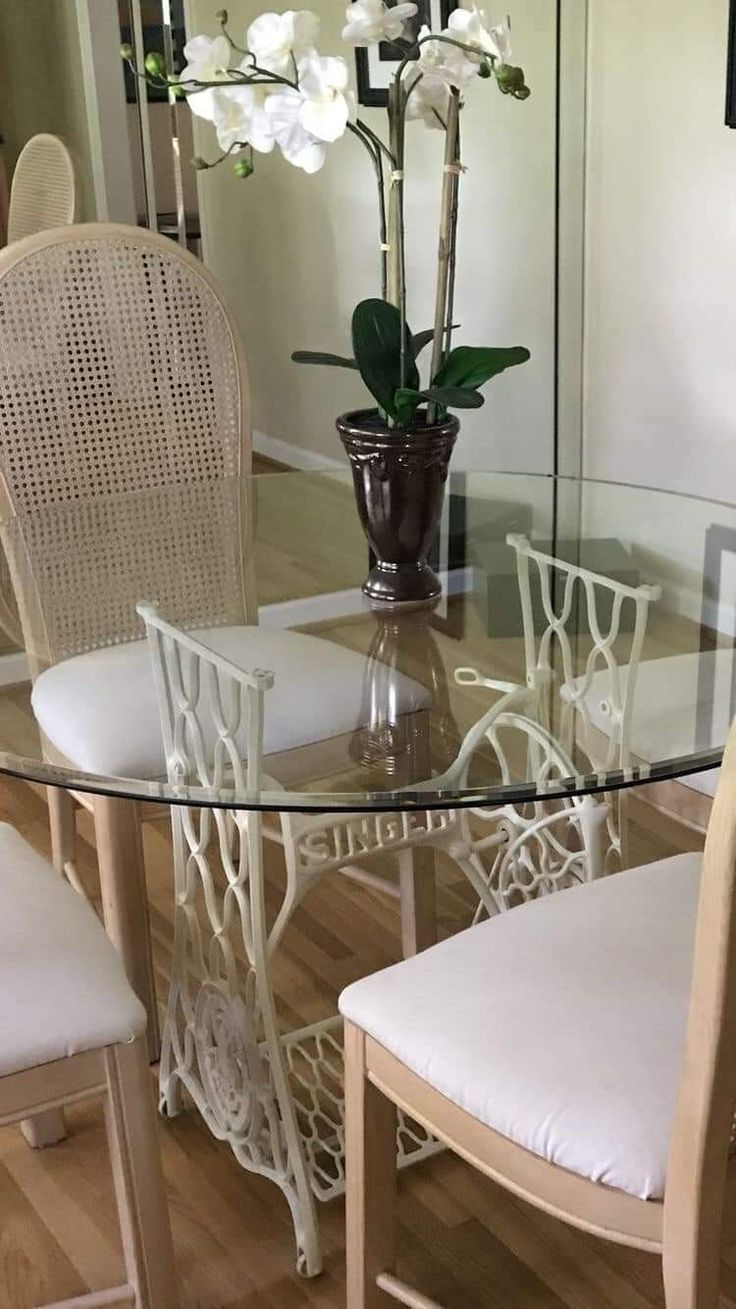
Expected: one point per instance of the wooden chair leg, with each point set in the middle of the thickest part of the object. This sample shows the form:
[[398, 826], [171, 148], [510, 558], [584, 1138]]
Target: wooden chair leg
[[418, 899], [370, 1138], [62, 822], [138, 1178], [691, 1278], [50, 1128], [44, 1129], [124, 899]]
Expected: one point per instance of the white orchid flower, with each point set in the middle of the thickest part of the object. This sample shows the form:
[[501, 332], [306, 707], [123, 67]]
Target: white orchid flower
[[241, 118], [297, 145], [370, 21], [444, 61], [473, 27], [429, 97], [328, 102], [306, 119], [277, 40], [208, 60]]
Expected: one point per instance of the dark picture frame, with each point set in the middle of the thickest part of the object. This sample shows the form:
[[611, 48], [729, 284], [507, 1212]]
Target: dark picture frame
[[375, 65], [731, 68]]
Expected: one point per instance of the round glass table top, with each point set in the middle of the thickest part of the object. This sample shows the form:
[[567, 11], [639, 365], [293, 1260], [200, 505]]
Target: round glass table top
[[583, 642]]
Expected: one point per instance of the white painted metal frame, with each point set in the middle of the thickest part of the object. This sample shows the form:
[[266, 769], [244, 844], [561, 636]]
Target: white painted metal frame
[[516, 852], [276, 1099], [524, 851]]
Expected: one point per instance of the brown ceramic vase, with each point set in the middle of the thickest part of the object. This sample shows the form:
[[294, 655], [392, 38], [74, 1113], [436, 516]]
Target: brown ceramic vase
[[399, 476]]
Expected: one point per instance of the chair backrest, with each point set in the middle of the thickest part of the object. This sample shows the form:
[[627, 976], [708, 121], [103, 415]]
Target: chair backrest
[[701, 1136], [574, 627], [43, 190], [120, 367], [121, 370]]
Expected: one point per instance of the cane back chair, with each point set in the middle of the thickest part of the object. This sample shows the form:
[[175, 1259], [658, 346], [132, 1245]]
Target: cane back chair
[[121, 373], [43, 190], [120, 369]]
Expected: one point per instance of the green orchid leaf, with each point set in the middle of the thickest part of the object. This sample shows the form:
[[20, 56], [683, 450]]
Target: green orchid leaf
[[321, 357], [423, 338], [377, 350], [454, 397], [473, 365], [406, 403], [407, 400]]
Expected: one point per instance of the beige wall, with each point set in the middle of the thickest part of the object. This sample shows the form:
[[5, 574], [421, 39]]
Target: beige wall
[[41, 87], [660, 331], [296, 253]]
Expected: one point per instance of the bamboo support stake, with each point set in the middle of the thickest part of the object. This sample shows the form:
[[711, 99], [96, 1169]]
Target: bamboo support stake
[[397, 261], [448, 230]]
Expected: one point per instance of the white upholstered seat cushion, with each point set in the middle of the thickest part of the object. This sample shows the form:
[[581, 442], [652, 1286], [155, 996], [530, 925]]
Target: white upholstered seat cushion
[[560, 1024], [100, 709], [695, 684], [62, 986]]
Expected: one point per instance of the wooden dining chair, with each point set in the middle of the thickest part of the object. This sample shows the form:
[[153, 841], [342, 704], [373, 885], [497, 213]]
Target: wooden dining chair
[[71, 1029], [581, 1052], [120, 369], [43, 195], [43, 192], [122, 373]]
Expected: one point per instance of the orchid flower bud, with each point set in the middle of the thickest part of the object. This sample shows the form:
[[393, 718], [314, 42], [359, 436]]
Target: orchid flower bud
[[511, 81], [155, 64]]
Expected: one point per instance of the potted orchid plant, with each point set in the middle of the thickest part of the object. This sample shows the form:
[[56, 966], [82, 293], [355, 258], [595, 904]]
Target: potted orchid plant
[[276, 91]]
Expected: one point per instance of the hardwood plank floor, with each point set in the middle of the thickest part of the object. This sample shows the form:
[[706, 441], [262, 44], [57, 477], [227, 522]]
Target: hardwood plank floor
[[463, 1240]]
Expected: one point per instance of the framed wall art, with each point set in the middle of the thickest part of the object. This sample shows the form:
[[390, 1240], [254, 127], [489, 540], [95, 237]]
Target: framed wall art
[[731, 68]]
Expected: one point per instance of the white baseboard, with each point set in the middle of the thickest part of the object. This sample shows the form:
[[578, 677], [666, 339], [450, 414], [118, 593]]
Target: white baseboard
[[296, 456], [344, 604]]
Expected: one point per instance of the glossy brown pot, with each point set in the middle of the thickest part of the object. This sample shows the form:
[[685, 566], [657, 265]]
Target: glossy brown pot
[[399, 476]]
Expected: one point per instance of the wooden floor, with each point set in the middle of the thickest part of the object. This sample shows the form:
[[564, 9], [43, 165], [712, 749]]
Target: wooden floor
[[463, 1240]]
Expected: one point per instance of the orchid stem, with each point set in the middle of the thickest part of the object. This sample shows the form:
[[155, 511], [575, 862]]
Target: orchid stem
[[358, 129], [453, 250]]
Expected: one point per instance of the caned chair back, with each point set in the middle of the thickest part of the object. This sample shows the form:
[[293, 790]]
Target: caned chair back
[[43, 190], [122, 377]]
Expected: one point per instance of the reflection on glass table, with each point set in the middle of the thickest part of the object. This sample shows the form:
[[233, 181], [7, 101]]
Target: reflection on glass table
[[286, 551]]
